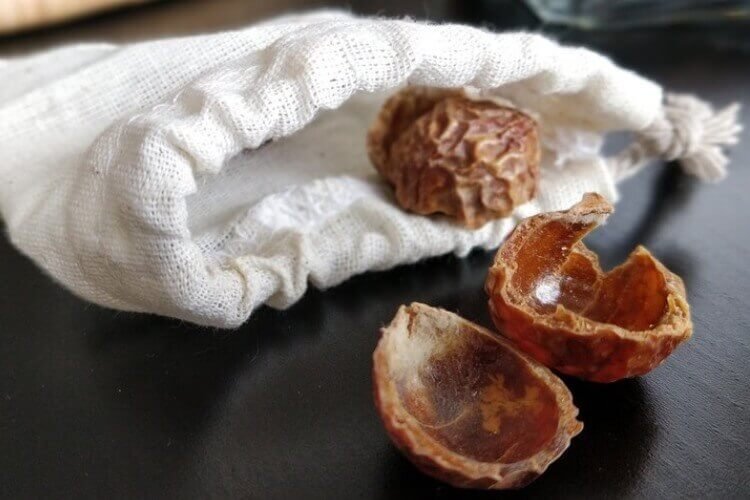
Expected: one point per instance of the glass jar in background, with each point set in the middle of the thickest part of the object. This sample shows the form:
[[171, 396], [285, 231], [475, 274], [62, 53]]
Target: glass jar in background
[[619, 14]]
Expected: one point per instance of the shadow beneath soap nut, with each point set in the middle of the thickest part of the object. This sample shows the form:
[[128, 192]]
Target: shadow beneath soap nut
[[681, 262], [669, 192], [619, 430], [672, 191]]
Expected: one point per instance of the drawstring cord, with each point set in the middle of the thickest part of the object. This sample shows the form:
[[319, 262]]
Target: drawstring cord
[[688, 131]]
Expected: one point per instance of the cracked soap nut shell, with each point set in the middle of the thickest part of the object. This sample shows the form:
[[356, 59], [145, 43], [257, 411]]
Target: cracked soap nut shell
[[548, 294], [464, 405], [473, 160]]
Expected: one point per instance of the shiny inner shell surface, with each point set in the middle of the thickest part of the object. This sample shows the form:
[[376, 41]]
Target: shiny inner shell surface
[[475, 397]]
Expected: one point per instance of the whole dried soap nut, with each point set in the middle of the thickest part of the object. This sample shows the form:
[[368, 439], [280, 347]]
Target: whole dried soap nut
[[443, 152]]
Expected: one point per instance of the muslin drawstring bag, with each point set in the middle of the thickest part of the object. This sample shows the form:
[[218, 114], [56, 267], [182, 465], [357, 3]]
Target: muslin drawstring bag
[[201, 177]]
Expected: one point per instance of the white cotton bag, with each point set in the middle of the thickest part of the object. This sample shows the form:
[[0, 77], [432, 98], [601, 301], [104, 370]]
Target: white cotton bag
[[201, 177]]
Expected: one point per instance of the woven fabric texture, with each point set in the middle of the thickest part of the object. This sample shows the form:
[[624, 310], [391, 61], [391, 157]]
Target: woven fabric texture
[[201, 177]]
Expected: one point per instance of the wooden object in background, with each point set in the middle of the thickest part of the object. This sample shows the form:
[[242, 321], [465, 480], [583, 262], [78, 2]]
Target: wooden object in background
[[17, 15]]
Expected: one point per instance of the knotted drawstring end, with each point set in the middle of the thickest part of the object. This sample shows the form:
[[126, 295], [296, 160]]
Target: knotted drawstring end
[[688, 131]]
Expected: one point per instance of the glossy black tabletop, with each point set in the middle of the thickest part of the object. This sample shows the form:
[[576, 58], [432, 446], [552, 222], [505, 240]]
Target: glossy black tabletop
[[100, 404]]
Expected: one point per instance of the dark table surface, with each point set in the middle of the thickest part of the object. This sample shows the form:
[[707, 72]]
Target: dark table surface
[[95, 403]]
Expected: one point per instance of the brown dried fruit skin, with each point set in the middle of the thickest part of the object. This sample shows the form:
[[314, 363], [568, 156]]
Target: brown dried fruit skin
[[465, 405], [473, 160], [550, 296]]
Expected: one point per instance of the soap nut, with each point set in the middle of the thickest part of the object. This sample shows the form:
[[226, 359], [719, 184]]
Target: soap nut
[[471, 159]]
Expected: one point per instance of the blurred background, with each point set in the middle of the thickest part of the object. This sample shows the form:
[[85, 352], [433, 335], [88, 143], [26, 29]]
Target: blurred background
[[29, 25]]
